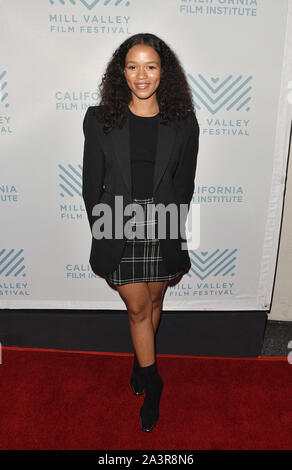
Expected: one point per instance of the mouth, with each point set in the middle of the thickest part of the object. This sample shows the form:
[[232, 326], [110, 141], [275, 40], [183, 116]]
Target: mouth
[[142, 85]]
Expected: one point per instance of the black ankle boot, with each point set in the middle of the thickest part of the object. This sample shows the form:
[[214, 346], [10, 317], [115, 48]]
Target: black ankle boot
[[149, 412], [137, 379]]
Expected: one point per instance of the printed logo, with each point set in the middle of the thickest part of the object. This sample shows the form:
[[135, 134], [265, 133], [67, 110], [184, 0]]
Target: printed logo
[[220, 8], [3, 92], [12, 270], [215, 94], [223, 194], [205, 265], [8, 193], [71, 180], [75, 100], [75, 271], [229, 94], [93, 3], [70, 186], [11, 264], [4, 105], [90, 17]]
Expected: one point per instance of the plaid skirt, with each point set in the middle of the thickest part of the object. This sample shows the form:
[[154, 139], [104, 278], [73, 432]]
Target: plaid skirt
[[141, 259]]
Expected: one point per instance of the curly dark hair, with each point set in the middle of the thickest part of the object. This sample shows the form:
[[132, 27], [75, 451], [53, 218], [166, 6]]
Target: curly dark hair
[[174, 95]]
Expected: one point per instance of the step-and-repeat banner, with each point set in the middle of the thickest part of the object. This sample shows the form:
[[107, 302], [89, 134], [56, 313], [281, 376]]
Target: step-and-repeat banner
[[237, 57]]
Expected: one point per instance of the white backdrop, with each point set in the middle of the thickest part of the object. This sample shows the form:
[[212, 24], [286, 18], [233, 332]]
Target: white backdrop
[[237, 57]]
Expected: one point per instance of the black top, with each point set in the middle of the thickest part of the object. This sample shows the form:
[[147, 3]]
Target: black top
[[143, 143]]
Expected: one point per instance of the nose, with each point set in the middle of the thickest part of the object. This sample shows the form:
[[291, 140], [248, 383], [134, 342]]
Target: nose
[[141, 73]]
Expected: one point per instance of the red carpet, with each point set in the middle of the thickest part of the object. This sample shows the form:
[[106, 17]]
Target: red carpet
[[64, 400]]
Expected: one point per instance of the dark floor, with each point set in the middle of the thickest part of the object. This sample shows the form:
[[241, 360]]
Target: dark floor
[[277, 336], [39, 330]]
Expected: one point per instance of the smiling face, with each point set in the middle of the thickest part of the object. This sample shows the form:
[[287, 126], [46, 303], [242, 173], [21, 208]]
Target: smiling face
[[142, 70]]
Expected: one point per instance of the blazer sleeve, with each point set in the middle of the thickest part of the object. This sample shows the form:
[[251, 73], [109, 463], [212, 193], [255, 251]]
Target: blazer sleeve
[[93, 163], [184, 176]]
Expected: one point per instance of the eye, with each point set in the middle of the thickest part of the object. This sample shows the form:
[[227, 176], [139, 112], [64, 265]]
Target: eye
[[149, 66]]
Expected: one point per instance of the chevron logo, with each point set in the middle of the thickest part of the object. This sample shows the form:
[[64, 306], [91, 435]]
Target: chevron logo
[[89, 5], [205, 264], [3, 93], [11, 263], [71, 183], [215, 94]]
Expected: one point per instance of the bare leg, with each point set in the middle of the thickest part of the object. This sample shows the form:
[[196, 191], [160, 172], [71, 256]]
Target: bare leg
[[157, 290], [139, 306]]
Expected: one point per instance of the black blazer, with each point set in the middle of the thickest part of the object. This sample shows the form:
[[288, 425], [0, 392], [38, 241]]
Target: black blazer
[[107, 172]]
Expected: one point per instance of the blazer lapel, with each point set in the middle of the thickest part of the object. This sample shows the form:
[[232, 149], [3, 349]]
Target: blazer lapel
[[165, 142]]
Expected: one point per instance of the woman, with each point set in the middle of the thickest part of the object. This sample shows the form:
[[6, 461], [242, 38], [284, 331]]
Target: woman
[[141, 142]]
